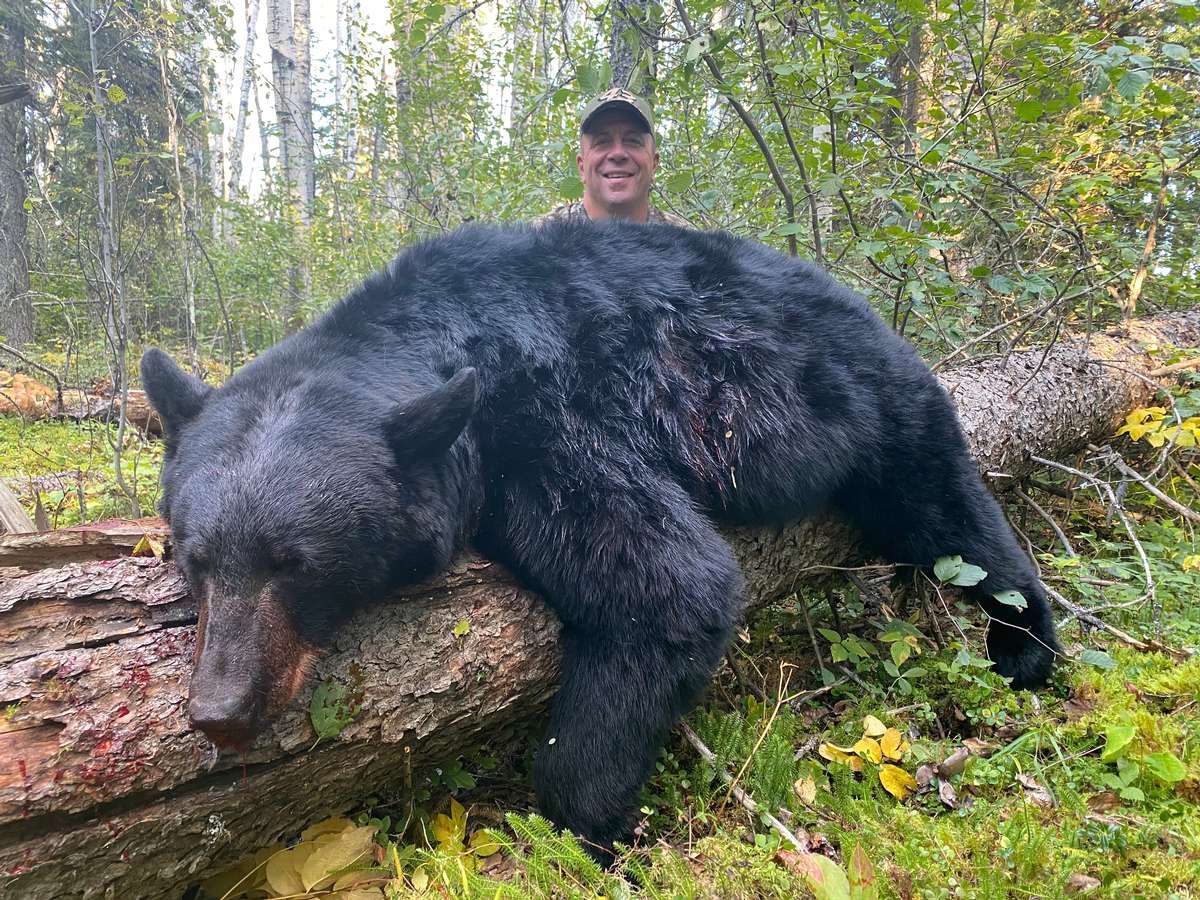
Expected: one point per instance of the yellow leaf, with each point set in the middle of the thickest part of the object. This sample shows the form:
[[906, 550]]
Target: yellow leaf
[[868, 748], [1191, 563], [1157, 438], [362, 878], [843, 755], [483, 844], [283, 870], [896, 781], [336, 825], [893, 744], [420, 880], [872, 727], [806, 790], [458, 816], [443, 829], [336, 854], [148, 546], [246, 876]]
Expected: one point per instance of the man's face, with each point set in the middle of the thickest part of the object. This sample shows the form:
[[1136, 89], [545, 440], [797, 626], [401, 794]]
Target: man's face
[[616, 162]]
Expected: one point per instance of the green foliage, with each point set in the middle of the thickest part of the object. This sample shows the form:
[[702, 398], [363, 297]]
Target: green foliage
[[333, 706]]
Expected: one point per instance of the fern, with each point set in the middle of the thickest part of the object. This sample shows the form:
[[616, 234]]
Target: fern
[[555, 862]]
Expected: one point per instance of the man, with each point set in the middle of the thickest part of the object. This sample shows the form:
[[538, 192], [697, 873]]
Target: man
[[617, 159]]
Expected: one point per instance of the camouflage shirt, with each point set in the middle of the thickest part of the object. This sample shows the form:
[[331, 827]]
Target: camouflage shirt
[[575, 212]]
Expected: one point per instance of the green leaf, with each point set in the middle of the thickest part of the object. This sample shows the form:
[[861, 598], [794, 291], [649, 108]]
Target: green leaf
[[330, 709], [1014, 599], [698, 47], [1098, 658], [679, 182], [823, 876], [968, 576], [789, 228], [1000, 284], [1176, 52], [829, 185], [571, 187], [946, 567], [1116, 739], [116, 94], [832, 636], [900, 652], [1029, 110], [862, 876], [462, 629], [1131, 793], [1132, 84], [1165, 766]]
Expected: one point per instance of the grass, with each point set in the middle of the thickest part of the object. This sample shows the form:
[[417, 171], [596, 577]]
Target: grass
[[68, 467]]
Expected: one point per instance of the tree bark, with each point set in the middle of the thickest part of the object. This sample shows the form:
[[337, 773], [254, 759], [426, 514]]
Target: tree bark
[[288, 32], [16, 303], [237, 149], [632, 47], [105, 788]]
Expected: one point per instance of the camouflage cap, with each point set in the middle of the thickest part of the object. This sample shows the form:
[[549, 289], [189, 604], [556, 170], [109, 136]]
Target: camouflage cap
[[619, 98]]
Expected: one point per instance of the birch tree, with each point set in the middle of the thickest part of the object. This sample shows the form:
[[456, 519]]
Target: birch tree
[[237, 148], [289, 34], [345, 91]]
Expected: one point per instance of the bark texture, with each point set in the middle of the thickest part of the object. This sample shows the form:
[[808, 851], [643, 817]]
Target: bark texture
[[16, 303], [105, 791]]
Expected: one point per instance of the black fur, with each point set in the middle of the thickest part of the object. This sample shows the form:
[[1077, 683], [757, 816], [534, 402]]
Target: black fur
[[632, 386]]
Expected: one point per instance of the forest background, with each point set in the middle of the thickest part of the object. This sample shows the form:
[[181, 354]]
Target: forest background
[[991, 175], [984, 172]]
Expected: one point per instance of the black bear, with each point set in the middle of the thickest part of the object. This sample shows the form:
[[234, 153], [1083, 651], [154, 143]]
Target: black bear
[[586, 402]]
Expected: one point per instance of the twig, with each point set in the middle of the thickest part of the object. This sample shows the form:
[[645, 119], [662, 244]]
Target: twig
[[1115, 458], [1175, 367], [1084, 616], [1182, 472], [1107, 489], [1049, 520], [742, 797]]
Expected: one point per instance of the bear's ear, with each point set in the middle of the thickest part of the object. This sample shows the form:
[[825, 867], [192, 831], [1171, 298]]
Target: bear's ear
[[175, 395], [425, 428]]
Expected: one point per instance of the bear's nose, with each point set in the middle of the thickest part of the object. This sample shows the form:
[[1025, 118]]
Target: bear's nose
[[228, 718]]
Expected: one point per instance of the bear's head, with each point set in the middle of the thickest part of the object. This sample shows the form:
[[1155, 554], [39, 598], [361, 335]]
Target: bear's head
[[294, 497]]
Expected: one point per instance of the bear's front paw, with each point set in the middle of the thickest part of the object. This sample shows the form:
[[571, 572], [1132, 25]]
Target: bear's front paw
[[1027, 658]]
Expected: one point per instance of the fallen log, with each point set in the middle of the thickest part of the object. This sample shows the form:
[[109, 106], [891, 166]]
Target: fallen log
[[105, 791], [97, 540]]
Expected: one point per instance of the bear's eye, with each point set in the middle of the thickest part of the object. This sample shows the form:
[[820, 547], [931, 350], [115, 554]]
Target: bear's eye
[[283, 563]]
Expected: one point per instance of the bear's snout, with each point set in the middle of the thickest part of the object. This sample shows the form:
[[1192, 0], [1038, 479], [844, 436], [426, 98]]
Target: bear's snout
[[227, 714]]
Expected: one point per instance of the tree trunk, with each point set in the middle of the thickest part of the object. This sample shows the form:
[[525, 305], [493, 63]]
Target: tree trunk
[[288, 33], [181, 202], [110, 791], [111, 281], [16, 303], [345, 83], [237, 149], [265, 145], [632, 47]]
